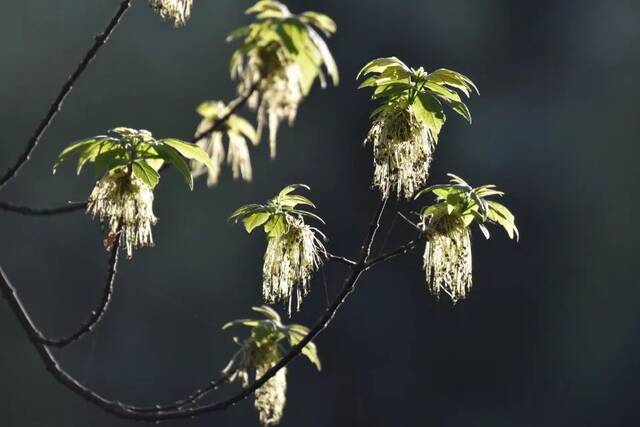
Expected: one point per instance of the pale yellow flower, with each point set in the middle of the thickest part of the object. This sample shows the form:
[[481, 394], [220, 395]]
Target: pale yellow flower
[[402, 150], [289, 263], [278, 93], [447, 257], [178, 11], [124, 203]]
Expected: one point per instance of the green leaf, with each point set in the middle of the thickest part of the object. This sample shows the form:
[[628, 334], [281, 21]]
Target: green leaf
[[173, 156], [146, 173], [75, 148], [327, 58], [429, 111], [255, 220], [453, 79], [291, 188], [190, 151], [379, 65], [268, 312], [276, 226], [321, 21]]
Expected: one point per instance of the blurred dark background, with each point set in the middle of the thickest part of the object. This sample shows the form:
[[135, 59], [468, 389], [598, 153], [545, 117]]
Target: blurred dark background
[[549, 335]]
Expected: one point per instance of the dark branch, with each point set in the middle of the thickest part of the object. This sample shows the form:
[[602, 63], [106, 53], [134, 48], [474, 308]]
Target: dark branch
[[234, 106], [55, 107], [394, 253], [192, 399], [131, 412], [340, 259], [27, 210], [96, 315]]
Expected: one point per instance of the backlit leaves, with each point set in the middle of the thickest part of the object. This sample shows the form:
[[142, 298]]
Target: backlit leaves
[[400, 86], [136, 151], [458, 199], [276, 214]]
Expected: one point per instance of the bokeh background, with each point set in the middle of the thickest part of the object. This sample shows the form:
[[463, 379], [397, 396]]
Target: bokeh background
[[549, 335]]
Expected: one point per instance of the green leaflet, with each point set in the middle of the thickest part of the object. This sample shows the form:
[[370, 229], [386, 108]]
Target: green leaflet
[[396, 84], [271, 331], [135, 150], [295, 37], [276, 214], [459, 199]]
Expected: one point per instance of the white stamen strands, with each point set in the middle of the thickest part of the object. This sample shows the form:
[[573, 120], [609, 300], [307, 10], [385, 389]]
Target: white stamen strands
[[129, 161], [280, 58], [238, 133], [178, 11], [406, 126], [446, 225], [403, 150], [124, 203], [294, 250], [260, 352]]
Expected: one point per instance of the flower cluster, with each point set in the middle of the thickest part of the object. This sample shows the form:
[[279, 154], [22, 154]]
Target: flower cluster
[[447, 258], [294, 251], [124, 203], [277, 96], [407, 124], [261, 351], [238, 132], [402, 149], [447, 254], [178, 11], [281, 56], [289, 263]]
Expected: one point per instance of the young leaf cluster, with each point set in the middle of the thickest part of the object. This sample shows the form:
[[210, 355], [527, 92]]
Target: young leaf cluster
[[278, 213], [279, 38], [399, 86], [458, 199], [238, 132], [271, 331], [135, 151]]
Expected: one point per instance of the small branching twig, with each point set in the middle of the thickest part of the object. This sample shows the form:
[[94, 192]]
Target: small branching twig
[[56, 106], [88, 326]]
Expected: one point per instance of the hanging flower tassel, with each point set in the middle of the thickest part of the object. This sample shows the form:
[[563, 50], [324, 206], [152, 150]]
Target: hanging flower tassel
[[403, 150], [178, 11], [124, 203]]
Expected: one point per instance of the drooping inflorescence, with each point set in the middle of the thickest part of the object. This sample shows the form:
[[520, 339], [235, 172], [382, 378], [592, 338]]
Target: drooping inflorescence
[[238, 132], [128, 162], [260, 352], [406, 126], [447, 255], [177, 11], [294, 250], [281, 56]]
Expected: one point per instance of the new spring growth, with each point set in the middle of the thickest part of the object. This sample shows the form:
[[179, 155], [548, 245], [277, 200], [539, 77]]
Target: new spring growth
[[127, 165], [406, 126], [294, 250], [447, 255], [237, 131], [264, 347], [281, 55], [178, 11]]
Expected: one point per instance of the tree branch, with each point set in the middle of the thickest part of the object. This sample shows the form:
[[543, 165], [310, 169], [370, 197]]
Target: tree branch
[[132, 412], [11, 296], [55, 107]]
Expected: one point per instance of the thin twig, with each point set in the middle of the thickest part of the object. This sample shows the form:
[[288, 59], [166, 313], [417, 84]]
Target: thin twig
[[55, 107], [340, 259], [130, 412], [234, 106], [94, 318]]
